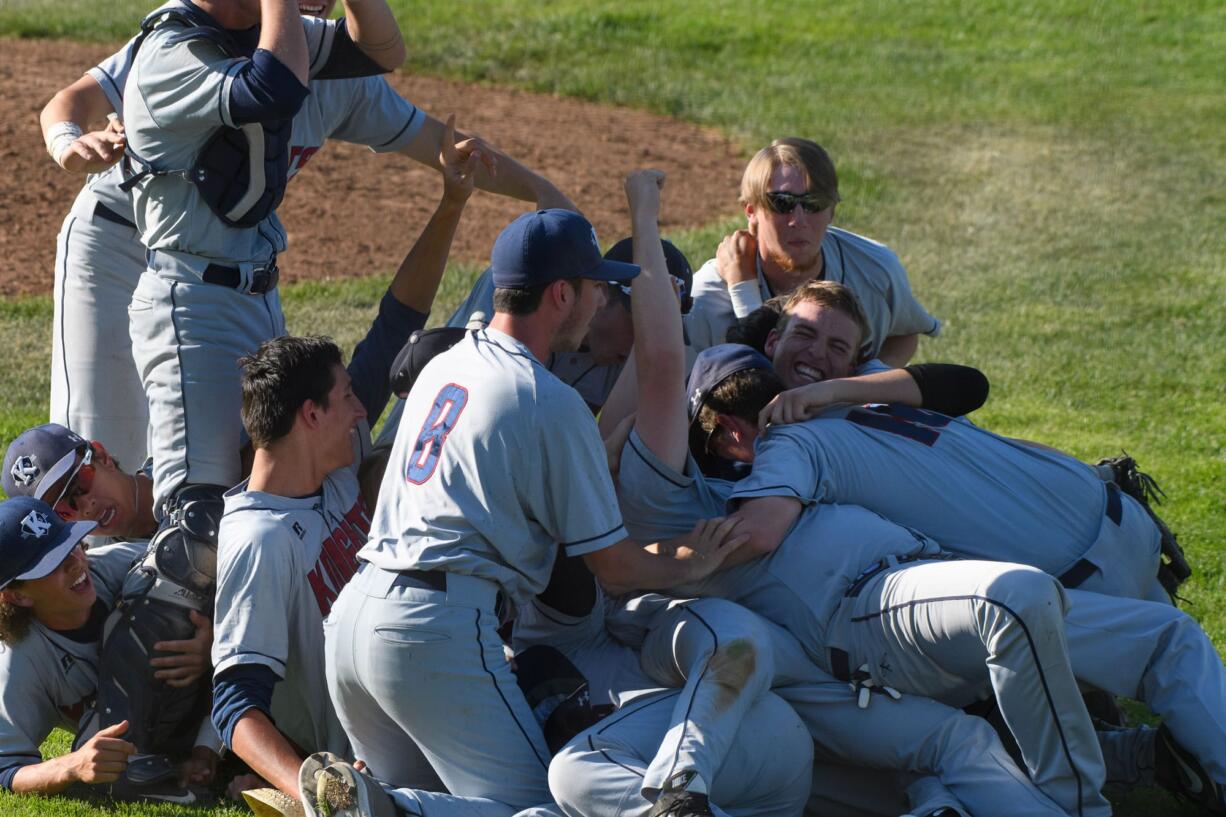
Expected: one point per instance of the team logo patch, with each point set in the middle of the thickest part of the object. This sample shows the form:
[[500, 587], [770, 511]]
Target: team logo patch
[[25, 470], [35, 524], [595, 240], [66, 662], [301, 531]]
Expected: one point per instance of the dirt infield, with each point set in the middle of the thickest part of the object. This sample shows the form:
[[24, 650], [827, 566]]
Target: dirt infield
[[353, 212]]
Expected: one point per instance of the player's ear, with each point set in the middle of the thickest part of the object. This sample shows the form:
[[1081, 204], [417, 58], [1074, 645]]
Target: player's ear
[[772, 342], [101, 454], [15, 597]]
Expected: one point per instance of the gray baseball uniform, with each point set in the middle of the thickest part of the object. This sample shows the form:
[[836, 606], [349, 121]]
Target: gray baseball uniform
[[208, 295], [496, 465], [95, 387], [282, 561], [833, 545], [50, 678], [980, 495], [871, 270]]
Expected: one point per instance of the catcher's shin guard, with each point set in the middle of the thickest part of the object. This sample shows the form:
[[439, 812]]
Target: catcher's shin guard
[[177, 575]]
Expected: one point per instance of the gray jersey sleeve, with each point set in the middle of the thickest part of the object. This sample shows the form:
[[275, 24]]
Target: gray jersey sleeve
[[112, 73], [187, 87], [576, 503], [375, 115], [27, 714], [658, 502], [786, 464], [256, 567]]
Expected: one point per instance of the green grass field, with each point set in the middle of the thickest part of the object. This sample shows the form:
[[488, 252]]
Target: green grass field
[[1051, 173]]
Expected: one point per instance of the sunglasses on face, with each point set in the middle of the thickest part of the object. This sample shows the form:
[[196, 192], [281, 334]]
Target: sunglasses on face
[[79, 483], [785, 203]]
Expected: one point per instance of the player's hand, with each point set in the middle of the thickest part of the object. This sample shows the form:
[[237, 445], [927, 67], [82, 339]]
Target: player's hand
[[244, 782], [736, 258], [95, 151], [616, 441], [460, 160], [796, 405], [643, 191], [200, 767], [191, 657], [708, 544], [104, 757]]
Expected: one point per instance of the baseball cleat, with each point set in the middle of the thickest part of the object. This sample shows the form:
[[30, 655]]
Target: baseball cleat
[[307, 783], [270, 802], [343, 791], [1179, 772], [681, 803]]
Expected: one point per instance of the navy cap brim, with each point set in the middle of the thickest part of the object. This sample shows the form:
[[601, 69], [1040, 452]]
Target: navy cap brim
[[614, 271], [52, 558]]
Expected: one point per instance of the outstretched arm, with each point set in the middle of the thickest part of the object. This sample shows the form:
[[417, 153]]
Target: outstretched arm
[[659, 343], [504, 176], [65, 122]]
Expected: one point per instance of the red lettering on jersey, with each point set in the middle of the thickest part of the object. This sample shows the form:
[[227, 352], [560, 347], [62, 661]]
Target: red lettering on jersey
[[307, 153], [324, 597], [75, 712], [338, 556], [299, 155]]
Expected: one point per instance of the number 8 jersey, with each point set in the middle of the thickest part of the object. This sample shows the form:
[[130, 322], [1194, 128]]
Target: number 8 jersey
[[496, 463]]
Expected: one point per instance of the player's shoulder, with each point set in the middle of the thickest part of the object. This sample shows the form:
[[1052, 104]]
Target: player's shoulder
[[706, 279], [860, 249], [254, 520]]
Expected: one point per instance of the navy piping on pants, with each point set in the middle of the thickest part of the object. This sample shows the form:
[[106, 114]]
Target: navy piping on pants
[[1034, 653]]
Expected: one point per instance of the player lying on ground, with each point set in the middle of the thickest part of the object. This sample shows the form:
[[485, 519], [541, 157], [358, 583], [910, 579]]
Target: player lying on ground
[[54, 600], [789, 191]]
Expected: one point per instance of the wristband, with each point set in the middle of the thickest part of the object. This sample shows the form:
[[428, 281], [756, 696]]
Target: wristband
[[746, 297], [60, 136]]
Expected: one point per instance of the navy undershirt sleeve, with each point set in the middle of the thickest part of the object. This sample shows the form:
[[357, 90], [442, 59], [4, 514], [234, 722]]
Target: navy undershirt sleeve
[[9, 772], [949, 388], [238, 689], [371, 366], [346, 60], [265, 90]]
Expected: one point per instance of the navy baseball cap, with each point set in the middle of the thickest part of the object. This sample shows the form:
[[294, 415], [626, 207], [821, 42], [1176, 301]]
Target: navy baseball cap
[[552, 245], [716, 364], [34, 540], [39, 458], [423, 346], [678, 267]]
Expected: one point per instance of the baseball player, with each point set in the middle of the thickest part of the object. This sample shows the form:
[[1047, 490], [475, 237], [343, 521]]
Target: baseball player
[[119, 502], [55, 599], [496, 467], [290, 533], [1124, 646], [95, 385], [789, 191]]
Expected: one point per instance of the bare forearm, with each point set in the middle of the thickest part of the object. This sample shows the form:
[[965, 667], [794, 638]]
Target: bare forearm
[[83, 102], [898, 350], [373, 28], [49, 777], [267, 751], [282, 35], [417, 281], [894, 386]]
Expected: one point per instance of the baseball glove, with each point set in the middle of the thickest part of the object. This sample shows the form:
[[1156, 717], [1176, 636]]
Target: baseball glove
[[1173, 569]]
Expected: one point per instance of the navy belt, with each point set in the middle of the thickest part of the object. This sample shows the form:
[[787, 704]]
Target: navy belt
[[422, 580], [840, 664], [263, 278], [107, 214], [881, 565], [1084, 568]]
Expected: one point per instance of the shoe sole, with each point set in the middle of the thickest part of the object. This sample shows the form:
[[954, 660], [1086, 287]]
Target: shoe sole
[[270, 802]]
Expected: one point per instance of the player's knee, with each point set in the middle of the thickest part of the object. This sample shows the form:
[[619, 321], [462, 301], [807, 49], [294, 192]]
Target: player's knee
[[1029, 594], [782, 767], [572, 772]]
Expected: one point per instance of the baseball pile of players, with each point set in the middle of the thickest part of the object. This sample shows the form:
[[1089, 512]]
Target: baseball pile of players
[[634, 540]]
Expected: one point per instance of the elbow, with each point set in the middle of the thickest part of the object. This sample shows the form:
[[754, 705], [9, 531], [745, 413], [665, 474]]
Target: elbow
[[392, 57]]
